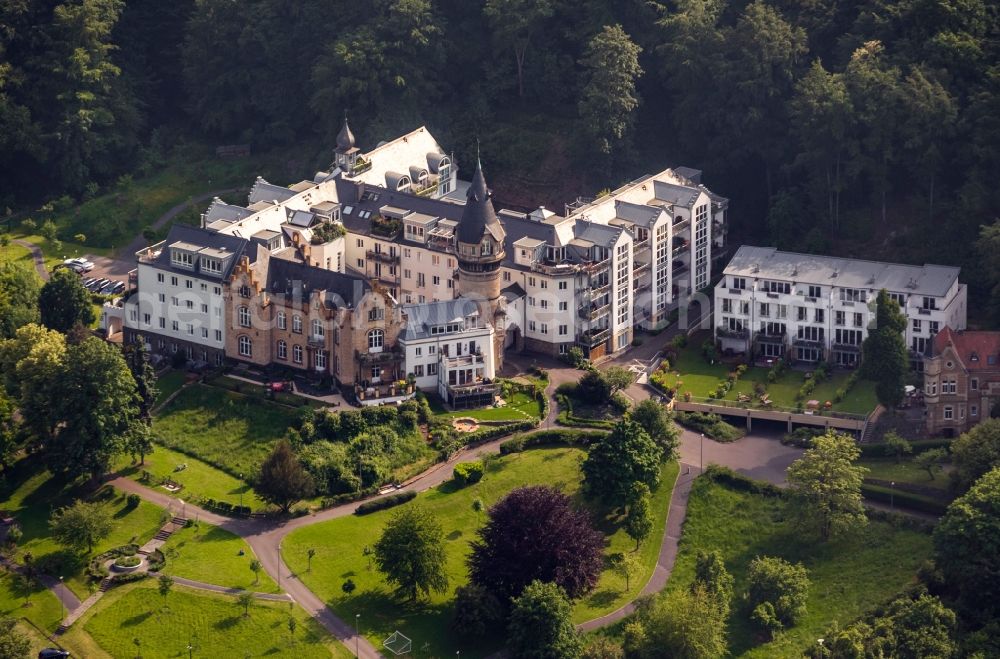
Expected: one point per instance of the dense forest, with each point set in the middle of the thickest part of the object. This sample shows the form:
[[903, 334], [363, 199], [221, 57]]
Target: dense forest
[[864, 128]]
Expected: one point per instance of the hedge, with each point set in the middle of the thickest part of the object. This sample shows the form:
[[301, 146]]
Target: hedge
[[877, 450], [467, 473], [553, 436], [903, 499], [385, 502], [713, 425], [728, 477]]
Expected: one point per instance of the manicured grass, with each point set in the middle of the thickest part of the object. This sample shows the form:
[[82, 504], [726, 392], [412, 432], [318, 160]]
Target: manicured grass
[[200, 480], [698, 377], [35, 493], [210, 554], [339, 544], [15, 254], [41, 607], [887, 469], [213, 624], [849, 575], [168, 383], [228, 430], [519, 407]]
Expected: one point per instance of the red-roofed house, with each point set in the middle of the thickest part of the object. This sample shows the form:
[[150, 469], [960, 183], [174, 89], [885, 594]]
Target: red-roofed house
[[961, 380]]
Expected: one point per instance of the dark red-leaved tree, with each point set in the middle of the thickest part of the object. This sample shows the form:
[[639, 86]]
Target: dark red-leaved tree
[[536, 533]]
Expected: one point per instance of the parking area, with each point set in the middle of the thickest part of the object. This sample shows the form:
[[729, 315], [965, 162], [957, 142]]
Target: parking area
[[101, 274]]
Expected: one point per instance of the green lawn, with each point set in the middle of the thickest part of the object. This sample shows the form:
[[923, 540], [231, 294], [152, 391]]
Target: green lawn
[[41, 606], [698, 377], [228, 430], [519, 407], [339, 543], [849, 575], [35, 493], [200, 480], [887, 469], [213, 624], [210, 554], [168, 383]]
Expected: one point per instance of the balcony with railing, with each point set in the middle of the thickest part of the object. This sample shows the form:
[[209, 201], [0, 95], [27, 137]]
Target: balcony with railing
[[460, 361], [552, 268], [360, 166], [151, 253], [377, 393], [680, 247], [639, 245], [429, 189], [595, 267], [639, 267], [382, 257], [384, 357], [681, 225], [595, 310], [594, 337], [727, 332], [771, 337], [316, 341]]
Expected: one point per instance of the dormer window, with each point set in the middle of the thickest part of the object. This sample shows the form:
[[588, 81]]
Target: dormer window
[[181, 258], [213, 266]]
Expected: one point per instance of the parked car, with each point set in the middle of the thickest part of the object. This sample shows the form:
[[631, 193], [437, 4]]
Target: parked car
[[88, 281], [99, 284], [106, 289], [52, 653], [79, 264], [119, 287]]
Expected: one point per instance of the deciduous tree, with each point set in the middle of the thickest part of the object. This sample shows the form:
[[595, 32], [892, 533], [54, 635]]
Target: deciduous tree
[[536, 533], [782, 585], [683, 624], [19, 288], [930, 460], [514, 24], [410, 553], [13, 644], [627, 455], [64, 303], [81, 525], [282, 480], [976, 452], [639, 518], [711, 576], [967, 546], [825, 486], [541, 625], [658, 424]]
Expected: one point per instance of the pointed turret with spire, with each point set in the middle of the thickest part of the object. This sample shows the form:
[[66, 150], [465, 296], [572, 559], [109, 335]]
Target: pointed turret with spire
[[346, 153], [480, 251]]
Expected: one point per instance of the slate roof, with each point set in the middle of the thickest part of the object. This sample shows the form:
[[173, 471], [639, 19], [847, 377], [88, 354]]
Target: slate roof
[[421, 317], [195, 238], [220, 210], [285, 277], [479, 215], [769, 263], [264, 191]]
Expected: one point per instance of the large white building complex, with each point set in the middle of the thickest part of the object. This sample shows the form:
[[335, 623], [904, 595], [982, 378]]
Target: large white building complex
[[771, 304], [398, 218]]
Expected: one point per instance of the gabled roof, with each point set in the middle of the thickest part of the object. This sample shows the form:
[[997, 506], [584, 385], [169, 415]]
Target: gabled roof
[[976, 350], [220, 210], [264, 191], [285, 277]]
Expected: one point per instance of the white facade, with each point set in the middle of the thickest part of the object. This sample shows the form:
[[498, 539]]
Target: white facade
[[448, 347], [821, 308]]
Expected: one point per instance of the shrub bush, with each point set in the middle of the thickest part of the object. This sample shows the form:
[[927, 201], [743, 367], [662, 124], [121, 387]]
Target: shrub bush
[[382, 503], [553, 436], [802, 437], [133, 500], [903, 499], [729, 478], [467, 473], [711, 424], [877, 450]]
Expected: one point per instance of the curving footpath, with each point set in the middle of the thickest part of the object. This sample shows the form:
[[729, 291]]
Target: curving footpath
[[36, 256]]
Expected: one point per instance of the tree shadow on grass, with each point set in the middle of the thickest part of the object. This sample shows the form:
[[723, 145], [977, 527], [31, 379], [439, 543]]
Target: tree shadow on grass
[[136, 620], [228, 623], [454, 535], [603, 598]]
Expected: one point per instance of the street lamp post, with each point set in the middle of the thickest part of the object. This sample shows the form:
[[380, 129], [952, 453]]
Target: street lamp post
[[190, 650], [242, 487], [702, 447], [62, 604], [357, 634], [892, 495]]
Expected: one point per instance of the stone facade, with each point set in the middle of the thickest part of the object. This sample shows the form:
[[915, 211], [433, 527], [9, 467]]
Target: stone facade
[[961, 380]]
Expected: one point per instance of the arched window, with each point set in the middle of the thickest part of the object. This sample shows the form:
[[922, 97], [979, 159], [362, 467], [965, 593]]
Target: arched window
[[246, 346], [297, 324], [244, 315], [376, 339], [404, 183], [317, 329], [297, 354], [282, 350], [281, 320], [320, 360]]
